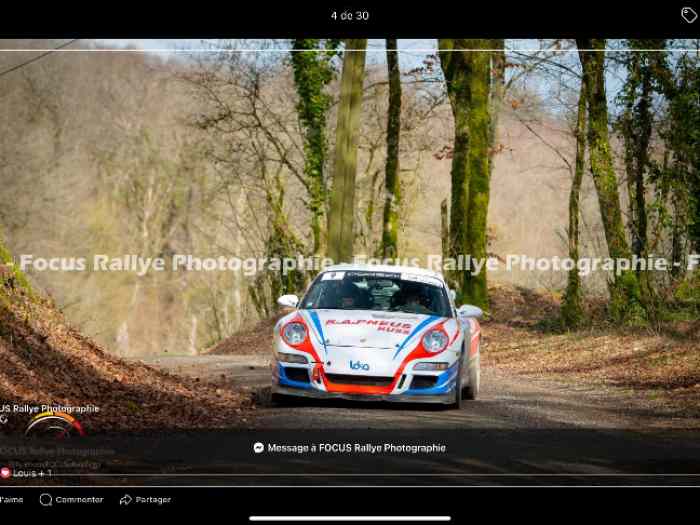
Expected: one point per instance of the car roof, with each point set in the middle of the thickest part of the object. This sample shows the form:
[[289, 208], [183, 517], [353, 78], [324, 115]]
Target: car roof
[[389, 268]]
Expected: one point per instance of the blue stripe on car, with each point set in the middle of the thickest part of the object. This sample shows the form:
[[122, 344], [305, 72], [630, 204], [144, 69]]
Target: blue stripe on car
[[317, 323], [445, 383], [415, 331]]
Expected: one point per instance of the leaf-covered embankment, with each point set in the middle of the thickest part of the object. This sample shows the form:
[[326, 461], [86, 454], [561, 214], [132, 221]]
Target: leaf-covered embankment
[[45, 361], [659, 367]]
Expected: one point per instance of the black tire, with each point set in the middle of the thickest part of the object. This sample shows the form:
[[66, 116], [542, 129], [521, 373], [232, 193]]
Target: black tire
[[471, 391], [279, 400], [458, 390]]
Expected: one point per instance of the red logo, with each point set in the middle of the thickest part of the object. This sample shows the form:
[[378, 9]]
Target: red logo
[[381, 326], [5, 473]]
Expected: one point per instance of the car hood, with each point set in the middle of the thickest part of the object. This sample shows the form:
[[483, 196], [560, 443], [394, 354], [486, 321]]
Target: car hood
[[368, 329]]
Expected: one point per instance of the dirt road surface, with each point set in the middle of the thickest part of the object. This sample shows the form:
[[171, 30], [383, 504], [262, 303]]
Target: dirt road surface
[[505, 402], [518, 431]]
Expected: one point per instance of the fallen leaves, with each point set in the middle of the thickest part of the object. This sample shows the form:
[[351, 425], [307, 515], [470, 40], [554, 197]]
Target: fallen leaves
[[629, 359], [45, 361], [255, 341]]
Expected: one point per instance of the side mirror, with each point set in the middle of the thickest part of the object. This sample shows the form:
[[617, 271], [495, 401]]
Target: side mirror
[[453, 294], [289, 301], [467, 310]]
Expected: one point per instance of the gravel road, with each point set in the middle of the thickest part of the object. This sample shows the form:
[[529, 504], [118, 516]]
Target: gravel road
[[518, 431], [505, 402]]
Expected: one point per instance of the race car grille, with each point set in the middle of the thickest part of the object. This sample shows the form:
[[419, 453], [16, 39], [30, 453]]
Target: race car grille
[[423, 381], [297, 374], [359, 380]]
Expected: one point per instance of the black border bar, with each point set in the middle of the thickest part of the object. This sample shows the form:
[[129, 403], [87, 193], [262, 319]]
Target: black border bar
[[236, 505], [401, 20]]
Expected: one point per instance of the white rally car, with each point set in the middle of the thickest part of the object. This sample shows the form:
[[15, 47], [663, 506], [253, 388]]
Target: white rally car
[[387, 333]]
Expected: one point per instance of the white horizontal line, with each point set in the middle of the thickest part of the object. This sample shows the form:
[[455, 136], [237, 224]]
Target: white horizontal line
[[345, 487], [387, 475], [429, 50], [350, 518]]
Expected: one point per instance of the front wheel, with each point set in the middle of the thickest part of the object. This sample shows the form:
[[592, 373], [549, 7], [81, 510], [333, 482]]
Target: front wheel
[[279, 400], [458, 390], [471, 392]]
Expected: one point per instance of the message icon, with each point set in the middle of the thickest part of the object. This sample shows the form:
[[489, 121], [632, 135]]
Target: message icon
[[258, 448]]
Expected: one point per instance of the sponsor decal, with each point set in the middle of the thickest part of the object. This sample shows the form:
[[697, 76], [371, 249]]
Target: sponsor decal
[[425, 279], [333, 276], [358, 365], [395, 316], [395, 330], [375, 275], [397, 327]]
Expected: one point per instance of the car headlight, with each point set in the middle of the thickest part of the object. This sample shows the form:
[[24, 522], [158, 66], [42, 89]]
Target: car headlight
[[291, 358], [294, 333], [435, 341], [431, 366]]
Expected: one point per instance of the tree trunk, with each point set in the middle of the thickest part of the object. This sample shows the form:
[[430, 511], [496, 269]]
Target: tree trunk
[[444, 230], [625, 295], [572, 308], [370, 245], [643, 132], [193, 336], [627, 133], [637, 129], [239, 279], [456, 66], [122, 340], [391, 183], [679, 228], [468, 78], [312, 72], [341, 217], [645, 117], [479, 172], [498, 65]]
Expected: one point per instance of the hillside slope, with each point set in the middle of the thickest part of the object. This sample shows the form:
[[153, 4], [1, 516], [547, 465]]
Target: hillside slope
[[45, 361], [661, 368]]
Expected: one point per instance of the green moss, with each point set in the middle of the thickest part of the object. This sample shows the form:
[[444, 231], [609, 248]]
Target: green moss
[[688, 291], [468, 79], [626, 305], [626, 301], [572, 307], [312, 63], [19, 277], [476, 287]]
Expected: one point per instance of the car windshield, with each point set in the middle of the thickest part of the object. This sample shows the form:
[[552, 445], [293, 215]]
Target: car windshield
[[389, 292]]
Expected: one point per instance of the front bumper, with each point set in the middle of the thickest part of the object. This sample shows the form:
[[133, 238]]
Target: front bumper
[[313, 393], [301, 385]]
